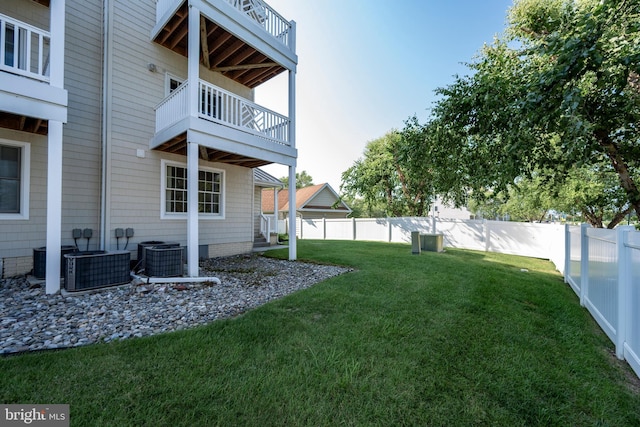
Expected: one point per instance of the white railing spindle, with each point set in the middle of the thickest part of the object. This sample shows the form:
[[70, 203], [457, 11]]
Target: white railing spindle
[[221, 106], [224, 107], [23, 58]]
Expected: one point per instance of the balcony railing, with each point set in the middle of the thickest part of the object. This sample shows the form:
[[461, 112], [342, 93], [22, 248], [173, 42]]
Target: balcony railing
[[220, 106], [257, 11], [265, 16], [24, 49]]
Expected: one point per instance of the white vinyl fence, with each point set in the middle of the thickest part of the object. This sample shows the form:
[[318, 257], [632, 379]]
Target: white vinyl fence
[[516, 238], [601, 266]]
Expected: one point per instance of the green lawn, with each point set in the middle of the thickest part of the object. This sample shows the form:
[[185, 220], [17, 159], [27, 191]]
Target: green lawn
[[456, 338]]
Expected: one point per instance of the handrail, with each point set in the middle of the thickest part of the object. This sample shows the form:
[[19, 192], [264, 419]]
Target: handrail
[[265, 226], [266, 17], [222, 106], [258, 11], [24, 49], [173, 108]]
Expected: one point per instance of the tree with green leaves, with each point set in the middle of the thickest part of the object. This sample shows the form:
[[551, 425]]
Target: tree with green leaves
[[595, 194], [303, 179], [393, 174], [561, 90]]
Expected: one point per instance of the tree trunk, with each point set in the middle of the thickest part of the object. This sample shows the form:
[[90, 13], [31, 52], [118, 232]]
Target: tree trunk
[[593, 219], [617, 218], [621, 169]]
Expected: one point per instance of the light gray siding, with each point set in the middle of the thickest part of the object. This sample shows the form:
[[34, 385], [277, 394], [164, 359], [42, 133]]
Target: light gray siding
[[82, 137], [135, 182], [133, 172], [324, 198]]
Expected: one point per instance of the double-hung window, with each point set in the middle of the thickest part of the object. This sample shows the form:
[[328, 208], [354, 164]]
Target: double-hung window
[[174, 191], [14, 180]]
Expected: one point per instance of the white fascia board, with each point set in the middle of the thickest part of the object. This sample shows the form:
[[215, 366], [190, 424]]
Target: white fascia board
[[225, 138], [168, 133], [24, 96]]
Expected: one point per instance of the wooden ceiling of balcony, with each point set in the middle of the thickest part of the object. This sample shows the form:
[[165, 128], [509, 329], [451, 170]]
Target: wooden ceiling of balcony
[[178, 145], [23, 123], [220, 50]]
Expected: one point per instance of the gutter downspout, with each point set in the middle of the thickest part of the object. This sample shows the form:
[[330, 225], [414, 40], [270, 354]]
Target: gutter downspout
[[105, 186]]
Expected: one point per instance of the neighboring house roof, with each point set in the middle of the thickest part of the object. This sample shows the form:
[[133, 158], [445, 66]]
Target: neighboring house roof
[[315, 197], [263, 179]]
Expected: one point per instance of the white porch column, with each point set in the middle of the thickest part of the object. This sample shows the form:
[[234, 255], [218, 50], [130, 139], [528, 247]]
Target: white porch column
[[192, 148], [275, 208], [192, 209], [54, 152], [54, 206], [293, 253], [193, 52], [293, 250], [57, 26]]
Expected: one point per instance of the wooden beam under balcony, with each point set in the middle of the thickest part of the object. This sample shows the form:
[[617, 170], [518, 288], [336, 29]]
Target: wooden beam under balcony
[[24, 123], [221, 51], [42, 2], [178, 145]]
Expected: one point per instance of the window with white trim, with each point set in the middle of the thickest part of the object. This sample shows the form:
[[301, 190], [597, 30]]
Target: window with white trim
[[14, 180], [210, 191], [171, 83]]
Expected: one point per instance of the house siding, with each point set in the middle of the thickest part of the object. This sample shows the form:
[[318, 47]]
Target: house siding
[[133, 182], [82, 134], [81, 138], [257, 203], [27, 11], [324, 198], [135, 93]]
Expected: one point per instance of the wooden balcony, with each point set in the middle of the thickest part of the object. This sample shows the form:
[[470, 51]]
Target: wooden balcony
[[228, 128], [245, 40]]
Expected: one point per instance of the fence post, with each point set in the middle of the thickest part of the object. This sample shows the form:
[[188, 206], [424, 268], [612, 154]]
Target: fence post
[[624, 287], [353, 228], [567, 252], [389, 226], [487, 235], [433, 224], [584, 263], [324, 228]]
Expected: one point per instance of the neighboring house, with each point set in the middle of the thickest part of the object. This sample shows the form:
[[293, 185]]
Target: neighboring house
[[109, 107], [314, 202]]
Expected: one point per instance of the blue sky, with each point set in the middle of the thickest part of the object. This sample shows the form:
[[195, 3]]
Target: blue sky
[[365, 66]]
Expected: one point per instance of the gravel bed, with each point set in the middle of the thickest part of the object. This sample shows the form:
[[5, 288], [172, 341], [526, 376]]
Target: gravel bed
[[32, 320]]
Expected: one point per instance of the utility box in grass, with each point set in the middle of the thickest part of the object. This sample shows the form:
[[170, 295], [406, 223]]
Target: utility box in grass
[[431, 242]]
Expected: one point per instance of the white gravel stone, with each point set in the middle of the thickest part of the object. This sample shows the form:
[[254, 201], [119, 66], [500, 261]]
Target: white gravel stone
[[32, 320]]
